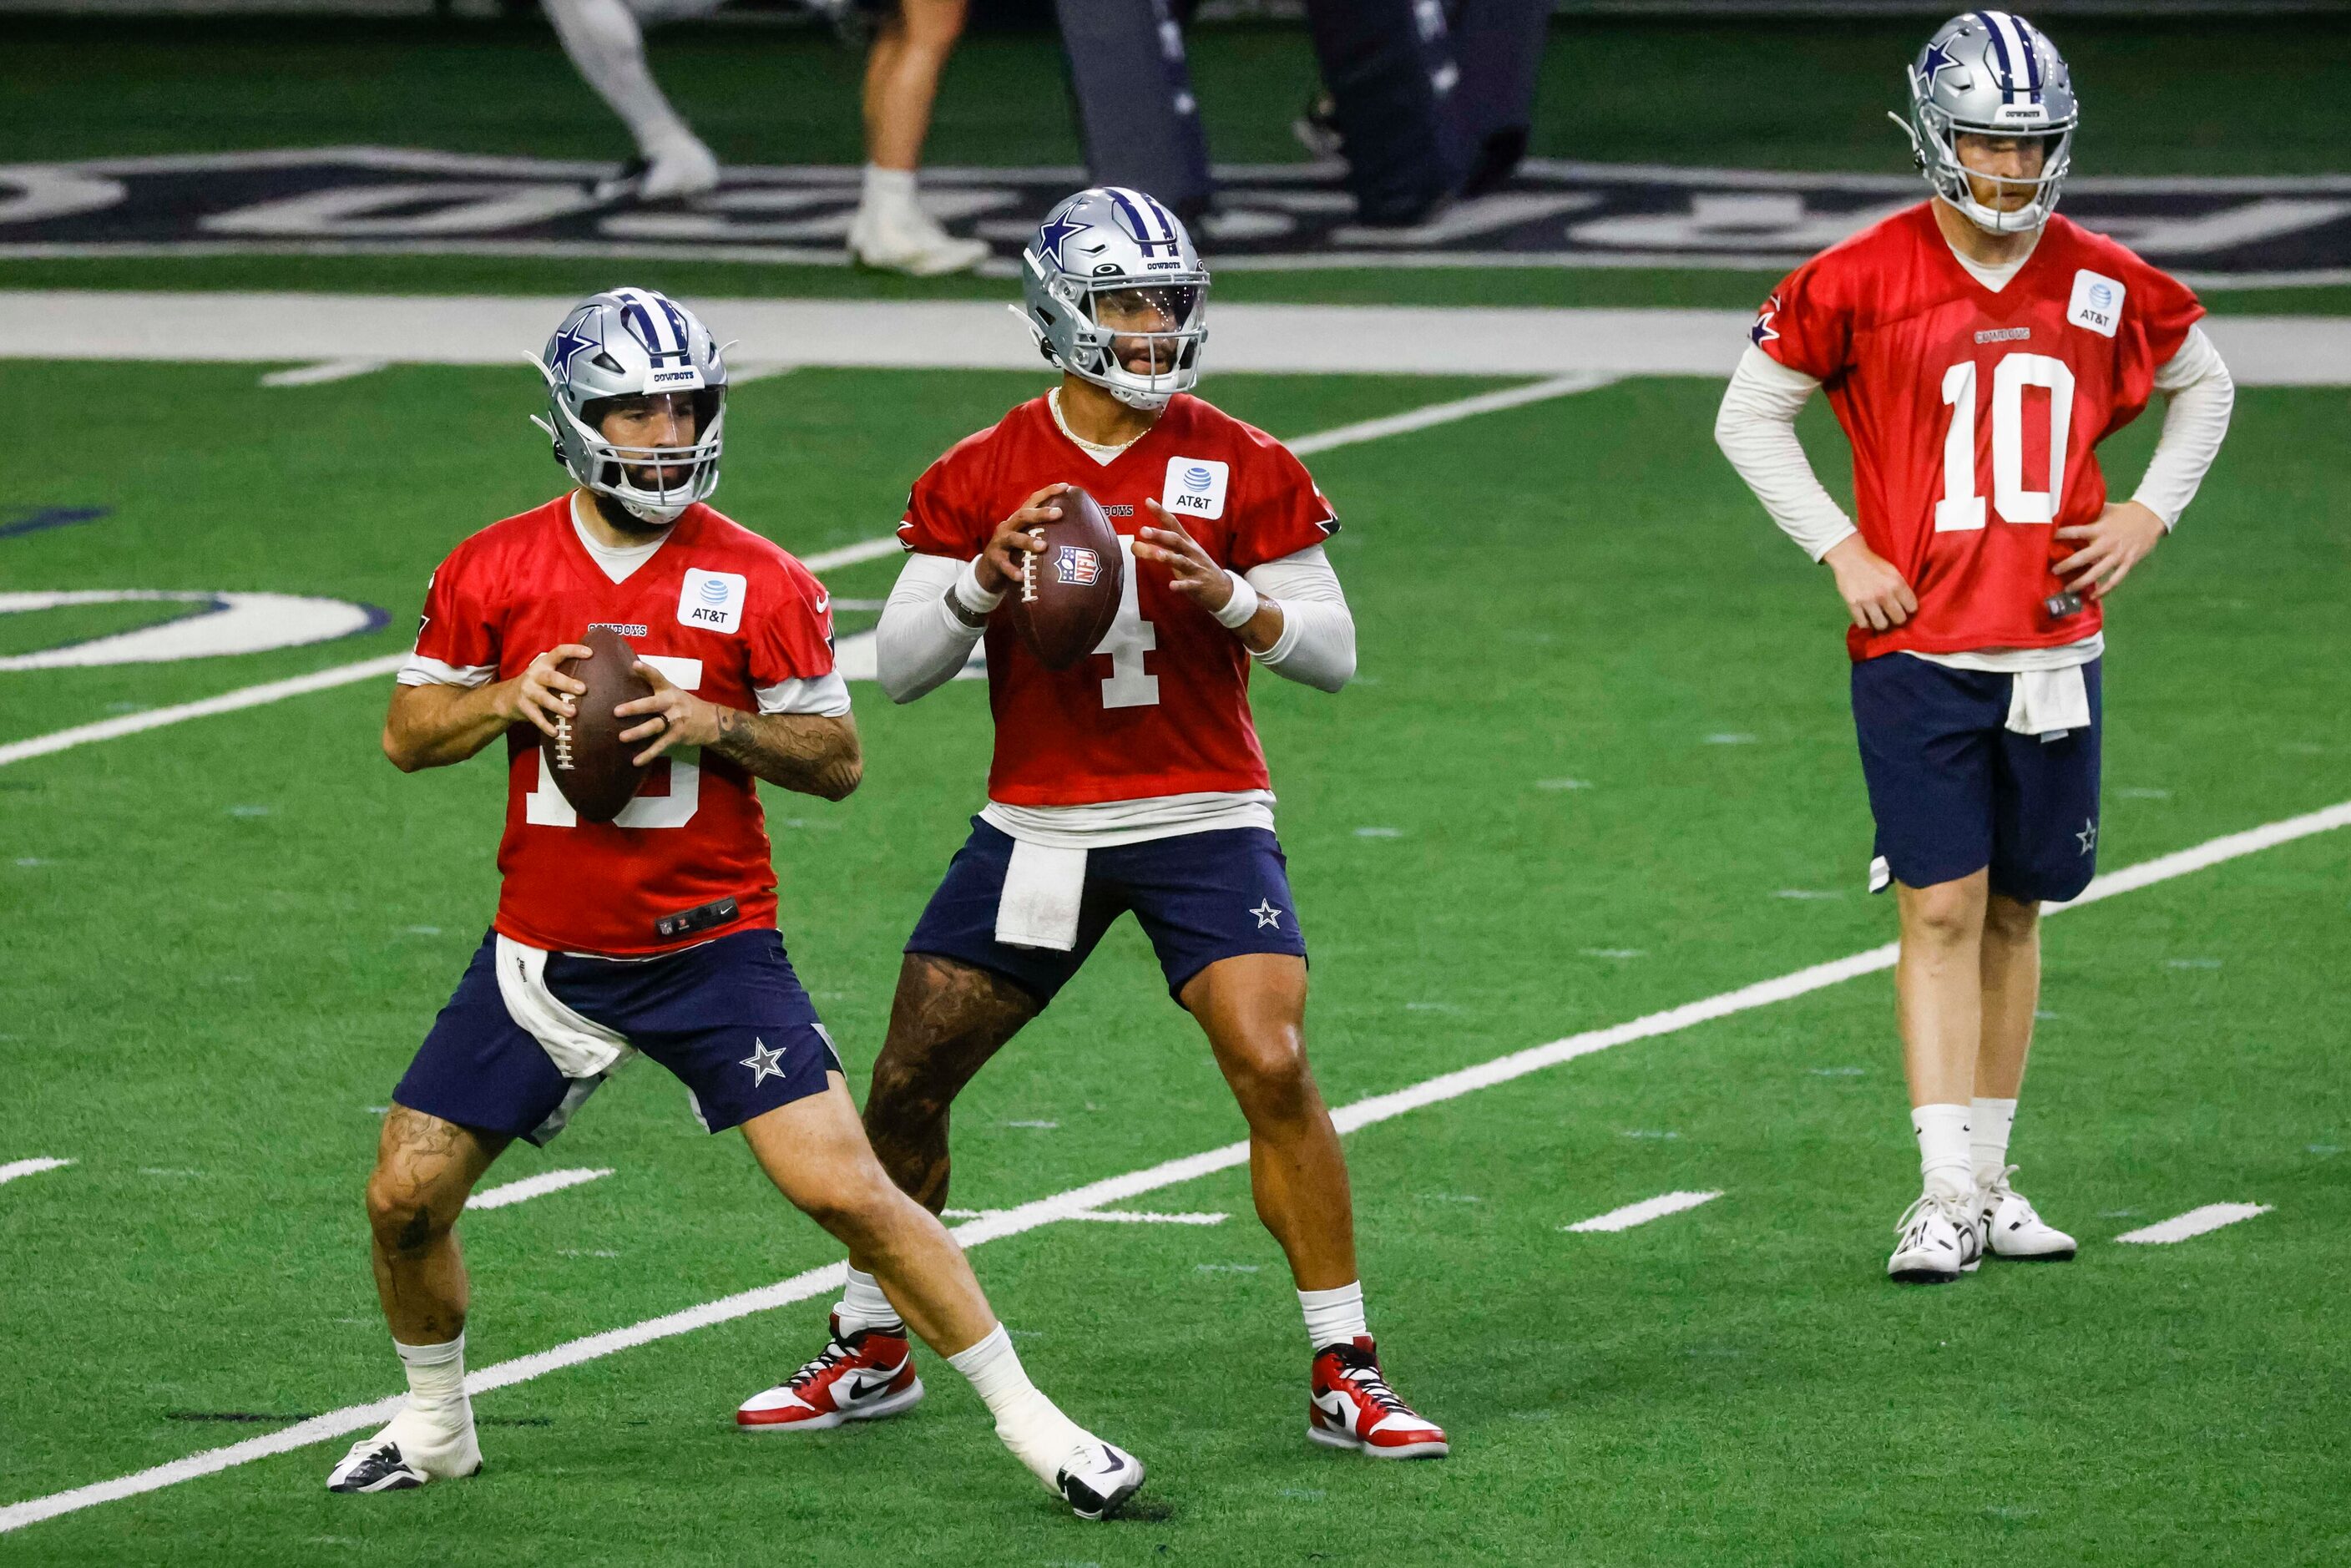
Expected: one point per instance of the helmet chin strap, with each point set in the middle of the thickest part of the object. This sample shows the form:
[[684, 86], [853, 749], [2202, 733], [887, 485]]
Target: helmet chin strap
[[654, 517]]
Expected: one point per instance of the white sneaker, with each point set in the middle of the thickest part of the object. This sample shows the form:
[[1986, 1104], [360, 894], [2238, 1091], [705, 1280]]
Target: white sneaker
[[687, 170], [902, 238], [1097, 1479], [1940, 1241], [2007, 1226], [405, 1455]]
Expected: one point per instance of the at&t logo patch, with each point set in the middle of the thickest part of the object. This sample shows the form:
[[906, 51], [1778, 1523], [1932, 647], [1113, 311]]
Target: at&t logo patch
[[2098, 303], [1195, 487], [711, 600], [1077, 566]]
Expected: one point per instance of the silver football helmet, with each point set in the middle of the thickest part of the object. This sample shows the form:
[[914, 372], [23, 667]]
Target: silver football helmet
[[1105, 240], [633, 342], [1992, 73]]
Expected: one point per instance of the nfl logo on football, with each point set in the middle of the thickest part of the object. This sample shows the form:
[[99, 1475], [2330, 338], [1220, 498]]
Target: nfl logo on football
[[1077, 566]]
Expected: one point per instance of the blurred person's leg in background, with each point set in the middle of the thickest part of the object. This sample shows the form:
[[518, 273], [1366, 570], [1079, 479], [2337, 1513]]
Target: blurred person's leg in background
[[607, 45], [911, 45]]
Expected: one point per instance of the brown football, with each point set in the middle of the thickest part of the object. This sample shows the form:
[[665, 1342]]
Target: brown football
[[1064, 603], [590, 764]]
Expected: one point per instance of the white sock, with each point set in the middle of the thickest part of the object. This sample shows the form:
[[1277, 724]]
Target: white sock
[[1992, 1121], [1030, 1424], [1943, 1153], [437, 1387], [609, 49], [1334, 1317], [863, 1306], [887, 189]]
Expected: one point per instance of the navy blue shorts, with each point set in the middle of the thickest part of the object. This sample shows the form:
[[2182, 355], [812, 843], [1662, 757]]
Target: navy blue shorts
[[1199, 897], [727, 1017], [1954, 790]]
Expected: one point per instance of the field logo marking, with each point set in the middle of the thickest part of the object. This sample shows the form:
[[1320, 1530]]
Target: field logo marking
[[216, 624], [996, 1225]]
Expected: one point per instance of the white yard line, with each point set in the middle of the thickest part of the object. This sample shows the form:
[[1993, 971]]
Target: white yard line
[[1107, 1215], [998, 1224], [323, 372], [977, 334], [227, 702], [855, 649], [539, 1185], [1445, 413], [1641, 1213], [16, 1168], [2195, 1222]]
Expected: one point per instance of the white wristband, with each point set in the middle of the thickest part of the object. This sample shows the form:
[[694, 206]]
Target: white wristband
[[976, 601], [1241, 606]]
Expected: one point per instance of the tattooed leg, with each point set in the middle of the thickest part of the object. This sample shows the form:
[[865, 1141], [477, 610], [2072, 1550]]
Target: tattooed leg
[[946, 1022], [424, 1168]]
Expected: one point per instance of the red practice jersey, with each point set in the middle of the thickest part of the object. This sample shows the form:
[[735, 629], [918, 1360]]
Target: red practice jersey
[[1163, 707], [721, 612], [1973, 415]]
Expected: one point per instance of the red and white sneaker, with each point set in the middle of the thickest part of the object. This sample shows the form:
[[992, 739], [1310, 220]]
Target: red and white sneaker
[[861, 1376], [1351, 1407]]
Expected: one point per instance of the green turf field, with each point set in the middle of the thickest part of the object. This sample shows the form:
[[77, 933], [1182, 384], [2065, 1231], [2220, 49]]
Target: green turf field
[[227, 936], [1598, 764]]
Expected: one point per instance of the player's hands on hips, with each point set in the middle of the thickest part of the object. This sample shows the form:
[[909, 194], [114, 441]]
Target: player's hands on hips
[[1874, 594], [2117, 541], [1189, 571], [999, 565], [674, 717], [542, 694]]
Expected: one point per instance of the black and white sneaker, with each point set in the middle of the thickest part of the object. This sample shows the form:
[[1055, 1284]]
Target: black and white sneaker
[[392, 1460], [1939, 1242], [2008, 1226], [1097, 1479]]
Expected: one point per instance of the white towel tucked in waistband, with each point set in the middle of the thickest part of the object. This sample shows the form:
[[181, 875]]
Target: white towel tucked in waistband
[[580, 1046], [1043, 888], [2048, 702]]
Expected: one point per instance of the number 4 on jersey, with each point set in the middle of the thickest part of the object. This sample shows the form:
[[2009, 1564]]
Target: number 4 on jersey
[[1962, 505]]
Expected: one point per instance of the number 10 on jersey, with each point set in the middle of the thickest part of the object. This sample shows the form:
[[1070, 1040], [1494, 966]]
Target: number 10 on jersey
[[1962, 505]]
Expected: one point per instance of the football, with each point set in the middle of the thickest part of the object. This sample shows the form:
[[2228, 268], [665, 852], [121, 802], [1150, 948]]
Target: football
[[1065, 602], [591, 764]]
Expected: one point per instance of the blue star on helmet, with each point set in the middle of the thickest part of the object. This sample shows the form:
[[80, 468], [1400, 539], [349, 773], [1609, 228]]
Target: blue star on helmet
[[575, 337], [1934, 62], [1051, 237]]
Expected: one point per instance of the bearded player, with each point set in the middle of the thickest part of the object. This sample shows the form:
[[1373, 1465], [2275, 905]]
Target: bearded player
[[1976, 349], [1131, 781], [655, 932]]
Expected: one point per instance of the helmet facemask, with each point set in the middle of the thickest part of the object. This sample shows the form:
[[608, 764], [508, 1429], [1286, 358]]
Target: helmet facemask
[[1177, 327], [615, 470], [1936, 141]]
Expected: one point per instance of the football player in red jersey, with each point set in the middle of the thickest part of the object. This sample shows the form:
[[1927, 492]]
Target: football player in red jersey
[[1131, 782], [653, 933], [1976, 349]]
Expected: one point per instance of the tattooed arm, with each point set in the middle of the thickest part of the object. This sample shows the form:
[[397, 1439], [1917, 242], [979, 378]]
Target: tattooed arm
[[807, 752]]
